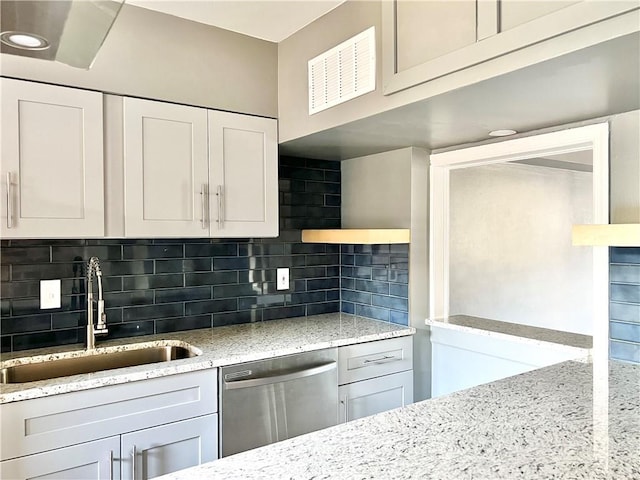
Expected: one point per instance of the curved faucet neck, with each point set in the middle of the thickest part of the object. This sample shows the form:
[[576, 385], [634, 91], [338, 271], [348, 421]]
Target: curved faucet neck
[[93, 267]]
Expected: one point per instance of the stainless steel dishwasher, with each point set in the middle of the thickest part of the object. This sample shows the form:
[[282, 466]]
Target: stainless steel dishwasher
[[271, 400]]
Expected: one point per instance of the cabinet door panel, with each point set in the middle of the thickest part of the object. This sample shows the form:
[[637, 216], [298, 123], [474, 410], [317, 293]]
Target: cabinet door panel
[[40, 424], [517, 12], [87, 461], [168, 448], [427, 30], [368, 397], [244, 165], [166, 169], [52, 149]]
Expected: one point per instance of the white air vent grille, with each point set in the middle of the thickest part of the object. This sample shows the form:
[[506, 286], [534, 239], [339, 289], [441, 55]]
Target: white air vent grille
[[344, 72]]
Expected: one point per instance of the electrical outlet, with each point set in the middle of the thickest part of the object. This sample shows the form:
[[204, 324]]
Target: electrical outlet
[[49, 294], [283, 279]]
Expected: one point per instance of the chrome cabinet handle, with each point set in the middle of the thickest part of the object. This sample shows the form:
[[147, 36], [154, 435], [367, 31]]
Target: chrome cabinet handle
[[381, 359], [133, 463], [345, 401], [220, 194], [203, 201], [110, 464], [9, 202]]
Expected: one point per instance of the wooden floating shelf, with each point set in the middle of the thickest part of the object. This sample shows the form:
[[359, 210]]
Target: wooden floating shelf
[[612, 235], [358, 235]]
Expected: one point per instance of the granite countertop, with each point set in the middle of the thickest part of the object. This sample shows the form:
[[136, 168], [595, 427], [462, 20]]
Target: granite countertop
[[518, 332], [218, 346], [543, 424]]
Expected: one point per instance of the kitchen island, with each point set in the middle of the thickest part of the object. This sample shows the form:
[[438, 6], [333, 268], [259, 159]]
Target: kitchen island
[[543, 424]]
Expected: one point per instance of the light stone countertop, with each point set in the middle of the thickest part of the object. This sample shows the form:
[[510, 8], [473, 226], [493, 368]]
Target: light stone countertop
[[514, 331], [538, 425], [220, 346]]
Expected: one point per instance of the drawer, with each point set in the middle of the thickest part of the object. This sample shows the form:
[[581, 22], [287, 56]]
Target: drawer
[[56, 421], [374, 359]]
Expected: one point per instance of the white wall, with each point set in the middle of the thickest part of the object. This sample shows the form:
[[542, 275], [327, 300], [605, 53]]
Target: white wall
[[511, 257], [154, 55]]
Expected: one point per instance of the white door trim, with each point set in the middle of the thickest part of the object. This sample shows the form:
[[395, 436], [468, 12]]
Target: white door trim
[[591, 137]]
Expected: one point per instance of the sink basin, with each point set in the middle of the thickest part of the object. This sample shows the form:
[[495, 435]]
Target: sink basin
[[62, 367]]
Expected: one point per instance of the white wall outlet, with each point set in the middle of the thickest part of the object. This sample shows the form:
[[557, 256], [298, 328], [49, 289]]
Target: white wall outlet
[[283, 279], [49, 294]]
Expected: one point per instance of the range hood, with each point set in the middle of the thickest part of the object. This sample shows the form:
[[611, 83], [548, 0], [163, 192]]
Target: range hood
[[611, 235], [66, 31]]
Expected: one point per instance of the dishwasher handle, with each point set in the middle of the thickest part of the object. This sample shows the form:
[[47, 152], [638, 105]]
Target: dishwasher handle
[[285, 377]]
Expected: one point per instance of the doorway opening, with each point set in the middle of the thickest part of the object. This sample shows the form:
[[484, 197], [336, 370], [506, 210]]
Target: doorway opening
[[500, 236]]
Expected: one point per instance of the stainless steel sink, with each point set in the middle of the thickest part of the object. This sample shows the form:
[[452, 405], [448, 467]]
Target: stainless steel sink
[[62, 367]]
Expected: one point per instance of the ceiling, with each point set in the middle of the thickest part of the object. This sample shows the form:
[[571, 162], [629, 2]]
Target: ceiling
[[272, 20]]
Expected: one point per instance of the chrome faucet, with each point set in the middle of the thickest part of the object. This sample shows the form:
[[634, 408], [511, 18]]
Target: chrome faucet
[[101, 327]]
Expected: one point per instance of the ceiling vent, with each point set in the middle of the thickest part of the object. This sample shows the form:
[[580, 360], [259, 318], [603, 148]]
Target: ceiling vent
[[344, 72]]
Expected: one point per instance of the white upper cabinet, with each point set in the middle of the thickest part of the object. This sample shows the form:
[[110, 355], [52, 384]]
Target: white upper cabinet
[[143, 169], [165, 169], [423, 41], [52, 161], [243, 175], [192, 172]]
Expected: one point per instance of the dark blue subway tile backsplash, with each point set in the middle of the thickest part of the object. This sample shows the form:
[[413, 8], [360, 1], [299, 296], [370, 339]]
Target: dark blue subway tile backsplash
[[624, 328], [167, 285], [374, 281]]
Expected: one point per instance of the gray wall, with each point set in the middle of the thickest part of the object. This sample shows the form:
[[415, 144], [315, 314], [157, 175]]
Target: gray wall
[[153, 55], [376, 190]]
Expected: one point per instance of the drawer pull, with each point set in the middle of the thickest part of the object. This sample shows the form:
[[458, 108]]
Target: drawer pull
[[384, 358]]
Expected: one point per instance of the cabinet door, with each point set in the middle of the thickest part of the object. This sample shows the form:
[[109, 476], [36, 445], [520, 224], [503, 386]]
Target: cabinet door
[[52, 163], [517, 12], [427, 30], [87, 461], [244, 175], [160, 450], [368, 397], [165, 169], [422, 41]]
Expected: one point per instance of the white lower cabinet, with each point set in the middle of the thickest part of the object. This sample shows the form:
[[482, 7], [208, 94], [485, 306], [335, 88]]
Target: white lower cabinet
[[88, 461], [160, 450], [374, 377], [137, 430], [368, 397]]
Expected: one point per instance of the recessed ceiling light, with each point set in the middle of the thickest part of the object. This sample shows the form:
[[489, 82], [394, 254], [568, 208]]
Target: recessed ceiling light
[[502, 133], [24, 41]]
